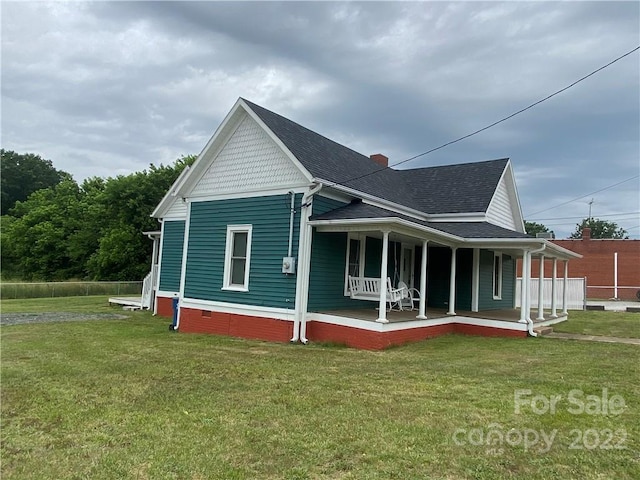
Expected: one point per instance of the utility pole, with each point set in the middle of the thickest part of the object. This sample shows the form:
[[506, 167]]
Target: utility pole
[[590, 203]]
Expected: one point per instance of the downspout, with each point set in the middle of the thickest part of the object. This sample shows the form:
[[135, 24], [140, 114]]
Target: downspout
[[302, 282], [527, 316], [291, 215]]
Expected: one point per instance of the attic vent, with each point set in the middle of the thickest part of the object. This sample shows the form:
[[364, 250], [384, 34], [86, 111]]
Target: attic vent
[[548, 235]]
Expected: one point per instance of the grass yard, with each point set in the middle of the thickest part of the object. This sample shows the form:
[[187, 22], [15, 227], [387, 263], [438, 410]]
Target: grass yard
[[593, 322], [91, 304], [129, 399]]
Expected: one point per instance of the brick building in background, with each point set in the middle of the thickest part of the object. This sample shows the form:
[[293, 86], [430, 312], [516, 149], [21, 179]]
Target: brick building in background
[[598, 265]]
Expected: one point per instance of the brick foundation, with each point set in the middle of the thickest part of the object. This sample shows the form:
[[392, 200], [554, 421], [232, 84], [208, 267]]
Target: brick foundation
[[165, 307], [243, 326], [367, 340], [261, 328]]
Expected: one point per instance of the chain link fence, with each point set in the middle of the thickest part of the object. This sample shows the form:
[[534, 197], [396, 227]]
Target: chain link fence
[[67, 289]]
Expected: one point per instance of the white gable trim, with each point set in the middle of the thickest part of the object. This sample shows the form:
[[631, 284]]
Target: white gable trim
[[277, 141], [506, 192], [183, 186]]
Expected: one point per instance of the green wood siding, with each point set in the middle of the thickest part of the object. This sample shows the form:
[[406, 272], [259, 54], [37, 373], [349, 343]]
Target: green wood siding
[[269, 216], [485, 297], [171, 255], [323, 204], [326, 278]]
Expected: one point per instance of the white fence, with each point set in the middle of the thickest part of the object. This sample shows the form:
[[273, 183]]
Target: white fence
[[576, 293]]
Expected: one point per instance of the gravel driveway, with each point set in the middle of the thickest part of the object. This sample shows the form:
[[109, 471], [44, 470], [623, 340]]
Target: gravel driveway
[[20, 318]]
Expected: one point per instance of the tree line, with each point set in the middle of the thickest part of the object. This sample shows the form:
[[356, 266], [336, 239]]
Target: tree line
[[56, 229]]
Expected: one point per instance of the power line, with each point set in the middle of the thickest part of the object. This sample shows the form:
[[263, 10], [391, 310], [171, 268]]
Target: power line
[[494, 123], [578, 216], [586, 195]]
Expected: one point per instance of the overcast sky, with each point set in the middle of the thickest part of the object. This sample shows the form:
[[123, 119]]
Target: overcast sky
[[104, 89]]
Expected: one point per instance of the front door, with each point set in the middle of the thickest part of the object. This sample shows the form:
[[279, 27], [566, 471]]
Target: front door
[[406, 264]]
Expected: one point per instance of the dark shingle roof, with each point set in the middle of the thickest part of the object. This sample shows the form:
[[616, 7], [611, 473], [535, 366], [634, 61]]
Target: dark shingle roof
[[356, 210], [467, 187], [450, 189]]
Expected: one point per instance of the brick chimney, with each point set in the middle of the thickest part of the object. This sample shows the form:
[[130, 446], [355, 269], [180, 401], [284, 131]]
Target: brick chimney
[[380, 159], [586, 233]]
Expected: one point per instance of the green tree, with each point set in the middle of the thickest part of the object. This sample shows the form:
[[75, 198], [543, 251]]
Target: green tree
[[532, 228], [23, 174], [93, 230], [600, 229], [34, 241]]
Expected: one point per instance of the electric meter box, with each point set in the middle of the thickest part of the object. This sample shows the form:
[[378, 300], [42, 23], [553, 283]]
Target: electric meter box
[[288, 264]]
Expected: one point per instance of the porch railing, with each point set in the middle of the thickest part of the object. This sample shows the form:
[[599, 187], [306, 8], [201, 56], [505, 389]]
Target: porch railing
[[148, 287]]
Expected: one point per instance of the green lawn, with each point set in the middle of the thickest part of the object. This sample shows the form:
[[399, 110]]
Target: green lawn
[[593, 322], [129, 399], [91, 304]]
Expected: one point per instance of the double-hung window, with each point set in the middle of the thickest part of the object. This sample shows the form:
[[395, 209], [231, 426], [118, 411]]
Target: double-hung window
[[497, 276], [237, 258], [355, 260]]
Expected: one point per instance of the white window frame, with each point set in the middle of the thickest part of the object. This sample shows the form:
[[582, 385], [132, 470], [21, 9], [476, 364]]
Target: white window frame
[[363, 243], [499, 256], [226, 283]]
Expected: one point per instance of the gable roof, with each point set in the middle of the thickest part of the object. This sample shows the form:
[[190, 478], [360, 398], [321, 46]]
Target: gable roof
[[462, 188], [467, 187], [444, 190]]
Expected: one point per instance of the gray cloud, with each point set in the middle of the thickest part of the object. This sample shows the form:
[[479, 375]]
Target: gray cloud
[[105, 88]]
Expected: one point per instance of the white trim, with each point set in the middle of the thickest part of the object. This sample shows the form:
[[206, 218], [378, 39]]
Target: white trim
[[238, 309], [265, 192], [174, 218], [276, 140], [339, 196], [412, 248], [170, 196], [410, 324], [361, 258], [167, 294], [185, 250], [499, 256], [228, 257], [373, 200], [457, 217], [161, 247]]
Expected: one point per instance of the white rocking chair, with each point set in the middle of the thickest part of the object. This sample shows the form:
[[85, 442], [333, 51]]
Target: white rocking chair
[[411, 300]]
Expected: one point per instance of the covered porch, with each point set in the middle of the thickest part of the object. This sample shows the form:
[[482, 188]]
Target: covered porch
[[462, 273]]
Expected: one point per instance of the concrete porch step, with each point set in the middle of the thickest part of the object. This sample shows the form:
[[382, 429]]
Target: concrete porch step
[[543, 330]]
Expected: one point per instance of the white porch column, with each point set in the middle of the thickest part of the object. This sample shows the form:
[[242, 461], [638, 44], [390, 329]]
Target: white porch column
[[541, 290], [565, 287], [523, 288], [382, 305], [554, 289], [528, 309], [422, 314], [452, 283]]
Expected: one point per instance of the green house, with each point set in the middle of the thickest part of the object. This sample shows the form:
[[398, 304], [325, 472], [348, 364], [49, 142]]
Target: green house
[[279, 233]]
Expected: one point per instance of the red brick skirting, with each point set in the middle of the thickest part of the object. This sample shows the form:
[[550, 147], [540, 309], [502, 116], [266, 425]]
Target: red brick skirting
[[165, 307], [243, 326], [261, 328]]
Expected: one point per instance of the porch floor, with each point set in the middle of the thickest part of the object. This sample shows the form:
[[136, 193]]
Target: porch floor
[[131, 302], [510, 315]]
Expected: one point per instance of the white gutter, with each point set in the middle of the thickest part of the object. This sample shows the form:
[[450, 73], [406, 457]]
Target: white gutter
[[302, 283], [291, 214], [527, 317]]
